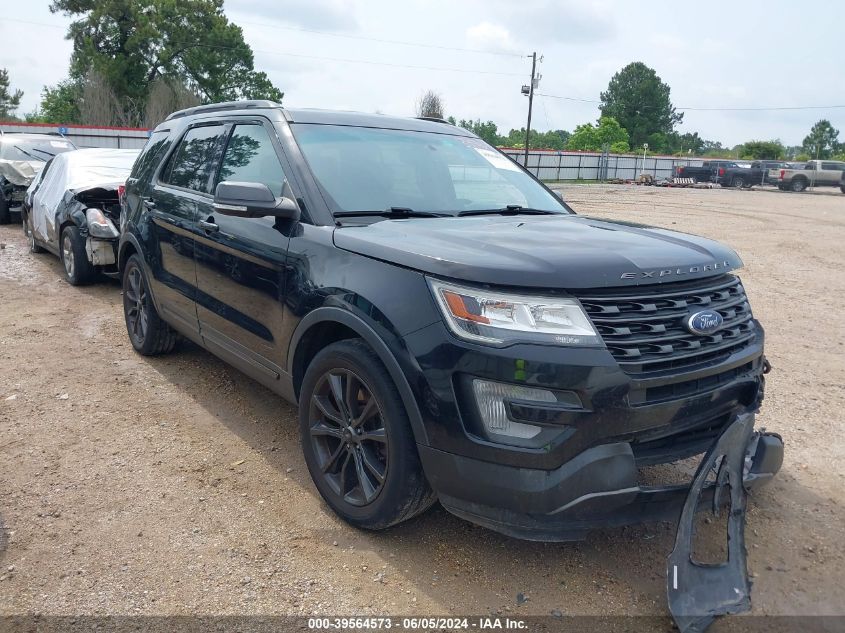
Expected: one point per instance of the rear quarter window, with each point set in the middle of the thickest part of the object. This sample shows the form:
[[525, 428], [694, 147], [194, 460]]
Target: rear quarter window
[[151, 154]]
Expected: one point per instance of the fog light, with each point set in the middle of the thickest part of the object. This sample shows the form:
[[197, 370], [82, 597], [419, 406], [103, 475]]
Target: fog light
[[491, 397]]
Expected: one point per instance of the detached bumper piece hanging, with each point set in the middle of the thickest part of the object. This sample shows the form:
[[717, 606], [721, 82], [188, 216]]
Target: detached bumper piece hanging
[[698, 592]]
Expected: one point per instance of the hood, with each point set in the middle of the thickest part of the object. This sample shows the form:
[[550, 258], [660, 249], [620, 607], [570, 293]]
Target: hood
[[20, 172], [561, 251]]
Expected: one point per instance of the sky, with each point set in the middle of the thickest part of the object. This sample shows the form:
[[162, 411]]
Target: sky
[[356, 55]]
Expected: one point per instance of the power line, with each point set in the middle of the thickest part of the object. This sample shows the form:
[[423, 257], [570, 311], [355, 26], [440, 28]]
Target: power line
[[380, 40], [748, 109]]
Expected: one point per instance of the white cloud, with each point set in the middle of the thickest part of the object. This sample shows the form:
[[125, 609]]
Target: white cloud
[[486, 36], [329, 15]]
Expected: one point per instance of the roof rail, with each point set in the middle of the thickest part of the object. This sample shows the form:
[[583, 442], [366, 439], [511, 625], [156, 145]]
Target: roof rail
[[229, 105], [433, 118]]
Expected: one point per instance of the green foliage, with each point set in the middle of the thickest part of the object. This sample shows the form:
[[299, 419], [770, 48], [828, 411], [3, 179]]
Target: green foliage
[[638, 99], [822, 141], [9, 100], [608, 132], [131, 43], [802, 158], [487, 131], [762, 150], [60, 103], [553, 139]]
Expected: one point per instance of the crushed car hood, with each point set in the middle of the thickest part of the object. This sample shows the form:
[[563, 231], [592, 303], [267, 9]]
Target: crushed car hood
[[20, 172], [560, 251]]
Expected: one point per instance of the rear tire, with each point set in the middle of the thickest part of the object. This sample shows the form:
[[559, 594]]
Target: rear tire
[[148, 333], [798, 185], [357, 439], [5, 214], [842, 188], [738, 182], [78, 270]]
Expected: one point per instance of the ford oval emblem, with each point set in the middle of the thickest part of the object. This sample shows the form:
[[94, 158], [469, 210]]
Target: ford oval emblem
[[704, 322]]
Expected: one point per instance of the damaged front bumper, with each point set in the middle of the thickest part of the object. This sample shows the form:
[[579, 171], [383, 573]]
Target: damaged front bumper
[[599, 488], [739, 460]]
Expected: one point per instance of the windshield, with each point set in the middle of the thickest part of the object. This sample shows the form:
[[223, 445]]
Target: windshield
[[371, 169], [33, 149]]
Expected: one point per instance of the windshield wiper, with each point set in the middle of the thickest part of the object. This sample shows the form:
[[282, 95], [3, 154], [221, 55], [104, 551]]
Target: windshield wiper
[[43, 151], [23, 151], [511, 209], [391, 212]]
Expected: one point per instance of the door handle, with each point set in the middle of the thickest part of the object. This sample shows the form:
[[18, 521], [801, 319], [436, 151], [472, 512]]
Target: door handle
[[208, 227], [149, 203]]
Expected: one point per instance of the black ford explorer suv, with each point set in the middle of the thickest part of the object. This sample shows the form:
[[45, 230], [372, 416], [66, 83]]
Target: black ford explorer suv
[[448, 327]]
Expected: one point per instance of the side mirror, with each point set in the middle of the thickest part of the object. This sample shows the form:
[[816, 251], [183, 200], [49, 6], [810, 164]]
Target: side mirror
[[252, 200]]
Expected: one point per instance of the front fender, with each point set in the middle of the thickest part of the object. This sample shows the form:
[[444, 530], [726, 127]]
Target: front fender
[[344, 316]]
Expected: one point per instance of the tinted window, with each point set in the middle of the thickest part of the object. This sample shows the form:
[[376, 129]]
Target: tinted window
[[250, 157], [370, 169], [834, 166], [191, 164], [151, 152]]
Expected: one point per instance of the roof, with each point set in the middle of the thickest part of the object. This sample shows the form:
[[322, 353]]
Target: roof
[[364, 119], [327, 117]]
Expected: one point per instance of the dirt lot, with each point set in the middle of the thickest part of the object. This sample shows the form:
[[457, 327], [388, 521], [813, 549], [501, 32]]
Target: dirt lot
[[175, 485]]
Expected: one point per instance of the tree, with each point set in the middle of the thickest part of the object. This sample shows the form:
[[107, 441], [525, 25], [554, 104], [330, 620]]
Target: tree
[[638, 99], [60, 103], [430, 104], [607, 133], [487, 131], [822, 141], [9, 100], [130, 44], [762, 150]]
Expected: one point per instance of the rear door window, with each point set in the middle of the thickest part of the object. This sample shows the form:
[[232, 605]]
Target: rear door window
[[191, 165]]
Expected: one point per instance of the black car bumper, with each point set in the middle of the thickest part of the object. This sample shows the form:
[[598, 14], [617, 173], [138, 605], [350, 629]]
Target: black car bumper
[[584, 473], [599, 488]]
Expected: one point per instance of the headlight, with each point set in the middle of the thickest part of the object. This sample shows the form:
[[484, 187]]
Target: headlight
[[502, 319], [99, 225]]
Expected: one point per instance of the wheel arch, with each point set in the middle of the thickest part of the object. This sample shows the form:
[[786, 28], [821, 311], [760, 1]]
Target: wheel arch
[[329, 324], [128, 247]]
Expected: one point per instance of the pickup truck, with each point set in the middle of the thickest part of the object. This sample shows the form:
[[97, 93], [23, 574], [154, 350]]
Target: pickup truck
[[747, 177], [816, 173], [706, 172]]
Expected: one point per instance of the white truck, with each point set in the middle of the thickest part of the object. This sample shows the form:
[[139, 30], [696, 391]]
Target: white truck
[[816, 173]]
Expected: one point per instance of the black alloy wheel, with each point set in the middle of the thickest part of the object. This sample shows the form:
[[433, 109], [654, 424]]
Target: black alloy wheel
[[357, 439], [135, 305], [149, 334], [348, 436]]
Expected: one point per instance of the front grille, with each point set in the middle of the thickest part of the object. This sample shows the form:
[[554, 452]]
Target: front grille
[[644, 328]]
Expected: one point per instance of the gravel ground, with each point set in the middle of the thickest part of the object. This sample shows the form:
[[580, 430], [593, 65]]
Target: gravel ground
[[175, 485]]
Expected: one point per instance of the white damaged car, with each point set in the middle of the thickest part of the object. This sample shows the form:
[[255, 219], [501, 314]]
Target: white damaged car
[[72, 209]]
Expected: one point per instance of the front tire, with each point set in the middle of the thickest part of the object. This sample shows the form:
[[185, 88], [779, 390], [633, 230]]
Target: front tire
[[78, 270], [357, 439], [148, 333]]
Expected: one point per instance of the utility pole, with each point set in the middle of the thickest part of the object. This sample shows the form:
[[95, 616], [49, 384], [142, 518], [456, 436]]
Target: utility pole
[[530, 104]]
